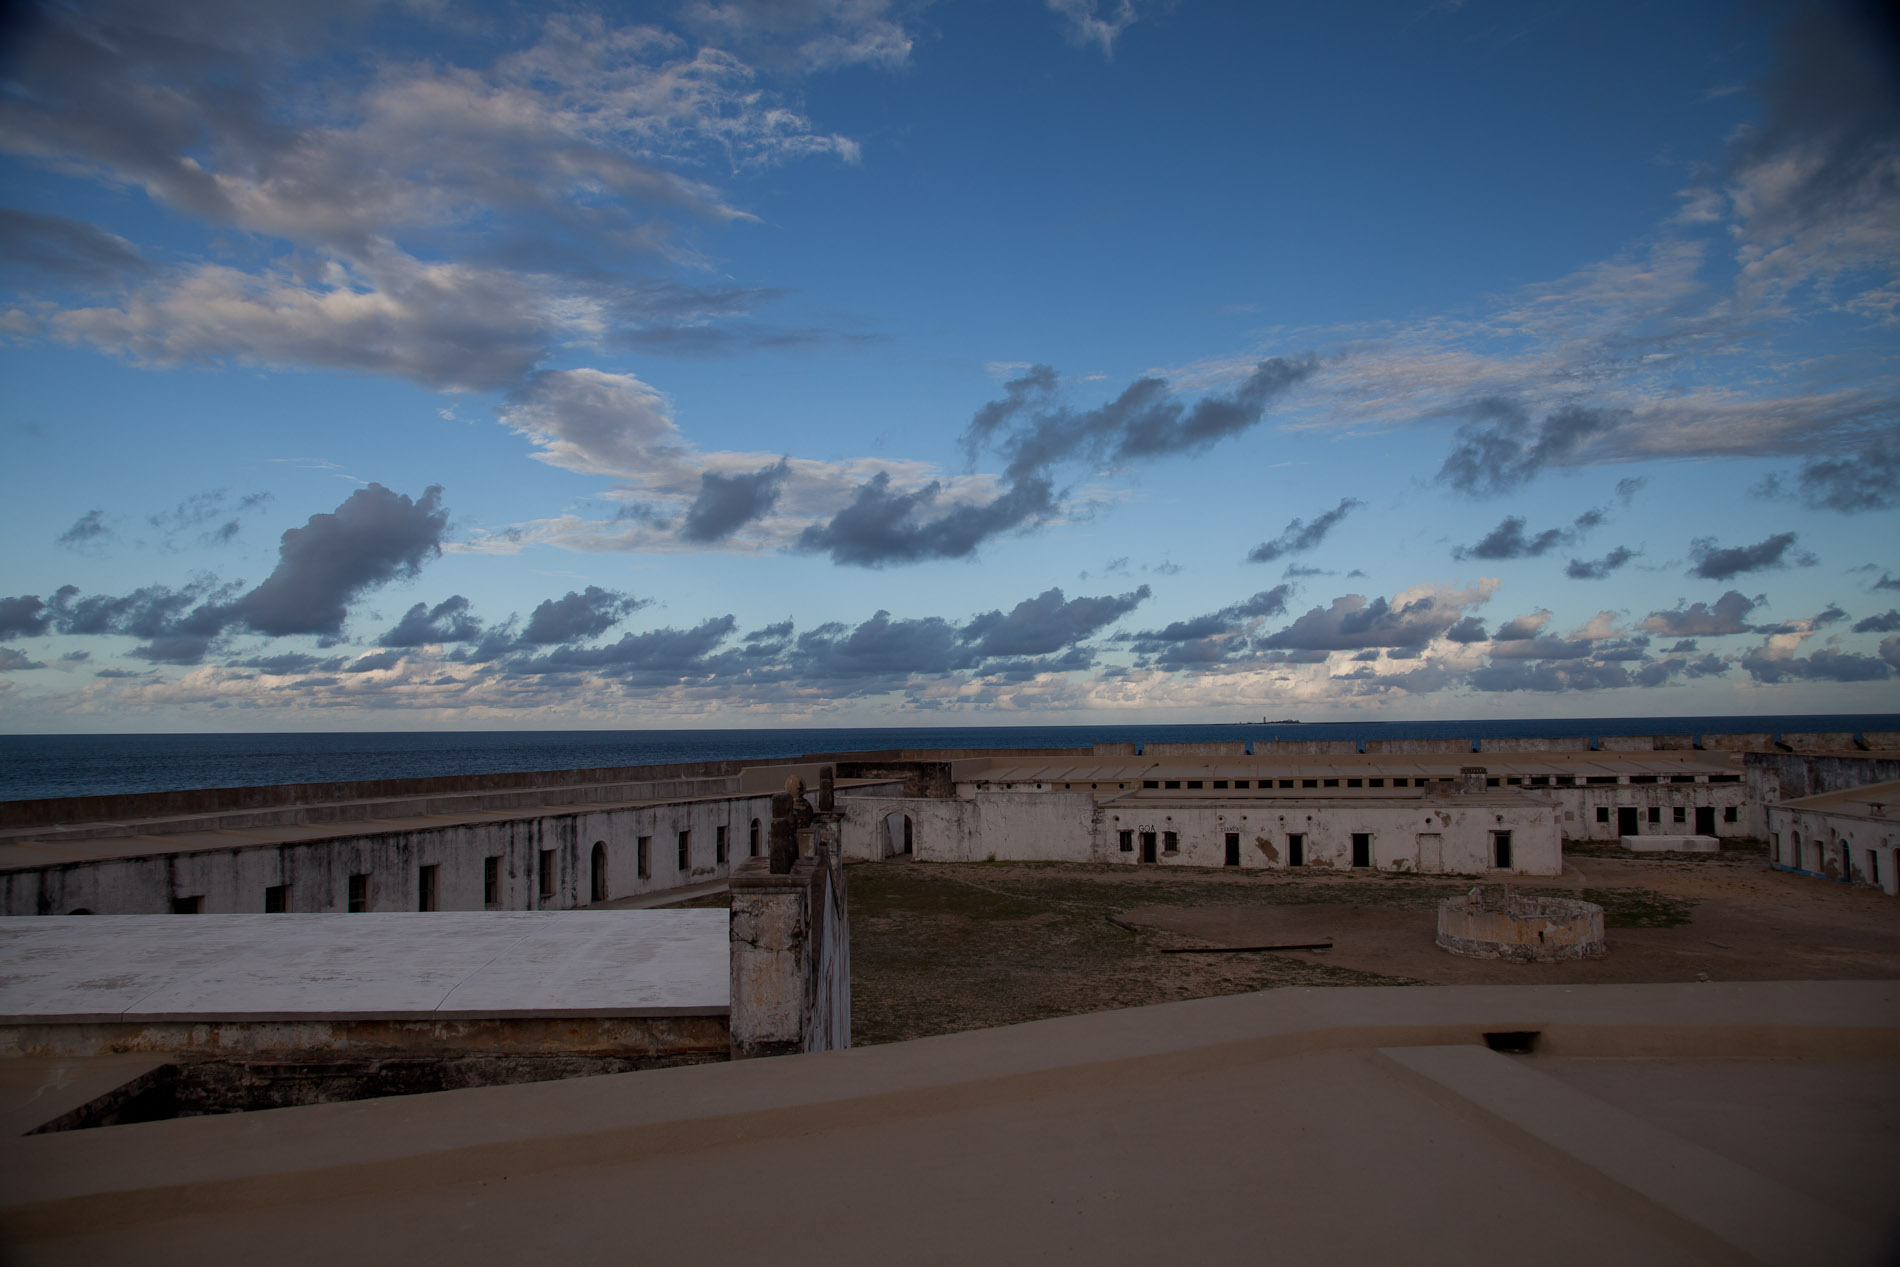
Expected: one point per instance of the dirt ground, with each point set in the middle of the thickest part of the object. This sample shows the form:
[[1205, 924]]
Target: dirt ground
[[944, 947]]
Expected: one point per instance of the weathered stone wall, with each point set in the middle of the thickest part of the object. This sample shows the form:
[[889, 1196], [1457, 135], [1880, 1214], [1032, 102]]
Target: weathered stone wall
[[1308, 747], [1236, 748], [1567, 743], [318, 871], [1401, 746], [791, 953], [1521, 929], [1856, 849]]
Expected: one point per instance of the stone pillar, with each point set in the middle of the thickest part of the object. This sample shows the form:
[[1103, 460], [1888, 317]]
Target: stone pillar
[[791, 953], [784, 842]]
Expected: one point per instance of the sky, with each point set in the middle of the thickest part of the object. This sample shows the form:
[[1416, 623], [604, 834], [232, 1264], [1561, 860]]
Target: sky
[[417, 365]]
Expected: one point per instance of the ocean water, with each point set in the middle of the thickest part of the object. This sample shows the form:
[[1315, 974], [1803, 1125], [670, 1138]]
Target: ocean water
[[36, 766]]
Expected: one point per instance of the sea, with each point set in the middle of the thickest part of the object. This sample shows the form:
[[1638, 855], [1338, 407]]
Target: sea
[[38, 766]]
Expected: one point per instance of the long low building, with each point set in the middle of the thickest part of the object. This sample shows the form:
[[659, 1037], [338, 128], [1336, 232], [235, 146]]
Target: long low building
[[574, 839], [1852, 835]]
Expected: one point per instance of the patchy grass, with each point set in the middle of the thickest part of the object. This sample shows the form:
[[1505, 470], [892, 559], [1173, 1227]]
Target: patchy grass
[[937, 948], [1639, 908]]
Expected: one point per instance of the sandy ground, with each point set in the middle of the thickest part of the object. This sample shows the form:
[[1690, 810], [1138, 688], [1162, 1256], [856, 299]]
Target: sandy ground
[[937, 948]]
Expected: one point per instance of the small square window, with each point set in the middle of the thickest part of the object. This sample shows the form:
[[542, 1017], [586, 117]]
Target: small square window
[[1171, 783], [1398, 783], [1194, 785], [1655, 813], [1681, 814], [1731, 814], [1375, 782], [1603, 813], [1286, 782], [1127, 841], [1332, 782], [1309, 782], [1170, 842], [188, 905], [1220, 783], [1150, 783], [1355, 782], [277, 899], [1242, 783]]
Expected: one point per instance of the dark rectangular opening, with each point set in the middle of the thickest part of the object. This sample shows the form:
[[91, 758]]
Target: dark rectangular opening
[[1170, 842], [546, 873], [277, 899], [1126, 839], [1171, 783], [1501, 850], [1296, 850], [491, 881], [1375, 782], [1233, 849], [1331, 782], [1241, 783], [1731, 813], [188, 905], [1655, 814], [1566, 780], [1681, 814], [358, 900], [643, 857], [1513, 1042], [1286, 783], [684, 851], [719, 845], [1147, 846], [1194, 785], [1398, 783], [1627, 823], [1355, 782], [1362, 849], [426, 887], [1705, 820], [1151, 783], [1220, 783], [1309, 783], [1603, 813]]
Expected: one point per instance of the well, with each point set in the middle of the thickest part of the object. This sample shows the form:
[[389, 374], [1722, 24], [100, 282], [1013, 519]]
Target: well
[[1499, 924]]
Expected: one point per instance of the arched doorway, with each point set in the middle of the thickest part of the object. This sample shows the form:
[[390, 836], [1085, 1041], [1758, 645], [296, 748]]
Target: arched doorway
[[897, 834], [598, 886]]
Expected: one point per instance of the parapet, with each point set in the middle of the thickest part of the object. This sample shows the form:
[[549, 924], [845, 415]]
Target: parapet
[[1499, 924]]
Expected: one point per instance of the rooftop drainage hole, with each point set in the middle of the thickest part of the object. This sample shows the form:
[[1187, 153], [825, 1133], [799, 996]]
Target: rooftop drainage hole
[[1513, 1042]]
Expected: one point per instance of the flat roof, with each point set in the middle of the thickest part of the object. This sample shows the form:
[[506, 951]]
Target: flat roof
[[1347, 765], [372, 966], [1873, 800]]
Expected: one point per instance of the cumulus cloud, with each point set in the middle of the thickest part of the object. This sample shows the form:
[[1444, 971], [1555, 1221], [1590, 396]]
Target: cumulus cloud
[[1509, 540], [1300, 536], [1411, 619], [575, 616], [1886, 622], [1597, 569], [1036, 433], [1047, 622], [1503, 446], [727, 503], [1867, 479], [1719, 563], [448, 621], [1777, 664], [1728, 615], [883, 525], [374, 537]]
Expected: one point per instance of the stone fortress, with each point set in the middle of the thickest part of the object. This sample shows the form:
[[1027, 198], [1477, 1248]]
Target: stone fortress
[[490, 938], [590, 838]]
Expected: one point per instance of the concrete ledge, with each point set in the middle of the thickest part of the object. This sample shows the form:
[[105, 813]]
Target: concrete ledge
[[126, 1177], [1728, 1207], [1672, 844]]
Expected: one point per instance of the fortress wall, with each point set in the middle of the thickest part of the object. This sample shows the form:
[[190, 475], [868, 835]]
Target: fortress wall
[[1881, 740], [1394, 747], [1113, 750], [1568, 743], [1738, 743], [232, 881], [1675, 743], [1626, 743], [1820, 741], [1306, 747], [1238, 748]]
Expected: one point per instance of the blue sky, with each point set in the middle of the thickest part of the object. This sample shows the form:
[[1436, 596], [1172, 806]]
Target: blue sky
[[863, 362]]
